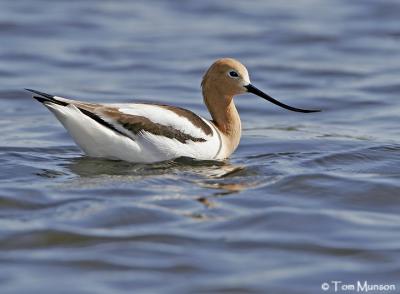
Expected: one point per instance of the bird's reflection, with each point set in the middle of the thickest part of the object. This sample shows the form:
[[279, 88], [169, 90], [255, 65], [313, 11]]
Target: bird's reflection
[[215, 178], [91, 167]]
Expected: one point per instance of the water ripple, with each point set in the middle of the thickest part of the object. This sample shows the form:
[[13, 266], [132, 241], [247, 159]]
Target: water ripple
[[305, 199]]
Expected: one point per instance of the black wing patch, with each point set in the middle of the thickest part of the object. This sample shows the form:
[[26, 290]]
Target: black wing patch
[[44, 97]]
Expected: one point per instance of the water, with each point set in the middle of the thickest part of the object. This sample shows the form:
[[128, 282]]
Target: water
[[306, 199]]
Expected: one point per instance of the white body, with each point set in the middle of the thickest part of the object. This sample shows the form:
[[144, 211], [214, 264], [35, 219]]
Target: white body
[[97, 140]]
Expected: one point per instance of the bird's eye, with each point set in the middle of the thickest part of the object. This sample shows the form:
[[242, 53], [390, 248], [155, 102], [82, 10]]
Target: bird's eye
[[233, 74]]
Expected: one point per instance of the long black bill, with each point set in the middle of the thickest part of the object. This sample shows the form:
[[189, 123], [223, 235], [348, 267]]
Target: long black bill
[[251, 89]]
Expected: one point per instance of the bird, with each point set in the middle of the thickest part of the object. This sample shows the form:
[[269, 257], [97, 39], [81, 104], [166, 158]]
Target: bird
[[150, 132]]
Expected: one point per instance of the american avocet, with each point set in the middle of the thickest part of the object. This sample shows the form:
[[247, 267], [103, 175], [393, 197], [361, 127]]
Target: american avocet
[[156, 132]]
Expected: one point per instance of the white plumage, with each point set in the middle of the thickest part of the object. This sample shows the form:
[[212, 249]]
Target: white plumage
[[96, 140]]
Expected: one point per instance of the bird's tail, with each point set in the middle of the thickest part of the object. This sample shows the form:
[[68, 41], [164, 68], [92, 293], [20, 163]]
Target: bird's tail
[[46, 98]]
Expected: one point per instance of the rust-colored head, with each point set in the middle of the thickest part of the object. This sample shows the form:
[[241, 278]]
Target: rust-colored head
[[225, 78]]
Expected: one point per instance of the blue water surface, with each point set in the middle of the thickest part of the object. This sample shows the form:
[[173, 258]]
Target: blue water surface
[[306, 199]]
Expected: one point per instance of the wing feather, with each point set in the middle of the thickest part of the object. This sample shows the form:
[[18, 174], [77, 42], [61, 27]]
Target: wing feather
[[134, 119]]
